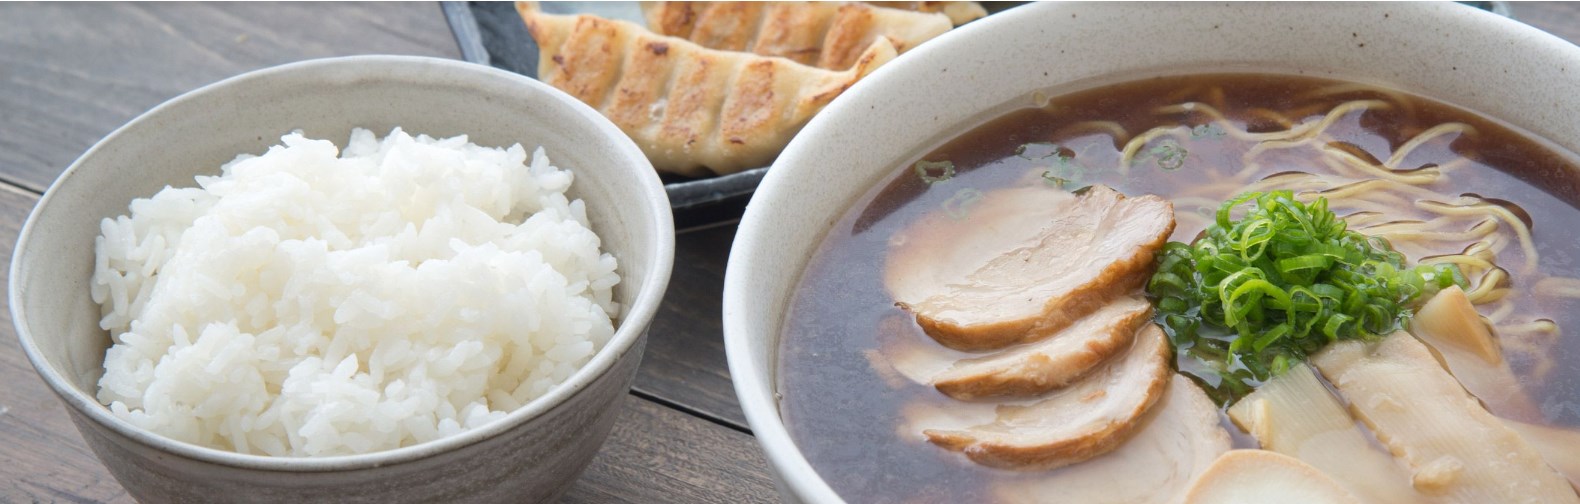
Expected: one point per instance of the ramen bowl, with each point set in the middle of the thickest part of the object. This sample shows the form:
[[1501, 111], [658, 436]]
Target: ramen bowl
[[1016, 59], [534, 453]]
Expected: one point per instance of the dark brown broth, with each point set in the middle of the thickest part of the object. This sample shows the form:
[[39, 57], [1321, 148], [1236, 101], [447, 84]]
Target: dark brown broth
[[844, 416]]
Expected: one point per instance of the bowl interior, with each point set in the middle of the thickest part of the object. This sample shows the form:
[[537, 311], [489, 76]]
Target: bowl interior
[[1456, 54], [196, 133]]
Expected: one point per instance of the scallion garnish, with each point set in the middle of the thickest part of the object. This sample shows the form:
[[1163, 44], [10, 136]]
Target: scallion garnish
[[933, 172], [1257, 294]]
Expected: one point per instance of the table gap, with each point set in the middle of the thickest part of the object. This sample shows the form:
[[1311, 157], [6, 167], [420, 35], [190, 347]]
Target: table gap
[[689, 410]]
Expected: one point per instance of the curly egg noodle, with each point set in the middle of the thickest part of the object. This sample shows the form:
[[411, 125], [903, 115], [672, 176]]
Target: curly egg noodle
[[1384, 198]]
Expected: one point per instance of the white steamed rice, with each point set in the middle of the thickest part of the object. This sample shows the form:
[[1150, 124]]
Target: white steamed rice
[[312, 302]]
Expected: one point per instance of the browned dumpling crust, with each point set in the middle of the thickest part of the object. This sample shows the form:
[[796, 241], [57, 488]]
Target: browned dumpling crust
[[959, 12], [694, 111], [828, 35]]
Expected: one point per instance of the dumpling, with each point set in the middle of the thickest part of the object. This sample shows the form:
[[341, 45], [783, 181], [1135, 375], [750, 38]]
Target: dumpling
[[822, 34], [692, 110], [959, 12]]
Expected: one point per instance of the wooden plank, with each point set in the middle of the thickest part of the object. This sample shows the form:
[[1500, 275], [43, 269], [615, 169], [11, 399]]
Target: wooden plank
[[46, 459], [74, 72], [685, 362], [657, 454], [1558, 18]]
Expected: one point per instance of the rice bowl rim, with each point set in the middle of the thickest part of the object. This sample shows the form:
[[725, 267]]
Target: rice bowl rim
[[632, 322]]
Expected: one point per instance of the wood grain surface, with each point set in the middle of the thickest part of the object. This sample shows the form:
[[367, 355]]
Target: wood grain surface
[[71, 73], [659, 454], [685, 362], [1558, 18], [75, 71], [42, 458]]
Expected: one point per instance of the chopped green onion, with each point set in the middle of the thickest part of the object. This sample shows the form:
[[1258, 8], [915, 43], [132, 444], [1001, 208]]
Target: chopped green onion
[[933, 172], [1258, 293], [1170, 155], [1210, 130], [1038, 150]]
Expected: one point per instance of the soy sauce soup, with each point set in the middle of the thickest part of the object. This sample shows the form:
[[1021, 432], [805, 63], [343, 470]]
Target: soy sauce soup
[[1195, 140]]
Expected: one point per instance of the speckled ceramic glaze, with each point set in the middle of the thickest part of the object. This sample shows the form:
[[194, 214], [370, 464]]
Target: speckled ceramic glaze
[[1453, 53], [533, 455]]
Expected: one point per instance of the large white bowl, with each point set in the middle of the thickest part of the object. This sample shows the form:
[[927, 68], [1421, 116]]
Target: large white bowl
[[1446, 51], [534, 454]]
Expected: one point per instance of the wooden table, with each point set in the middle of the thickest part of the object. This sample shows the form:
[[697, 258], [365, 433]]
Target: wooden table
[[72, 73]]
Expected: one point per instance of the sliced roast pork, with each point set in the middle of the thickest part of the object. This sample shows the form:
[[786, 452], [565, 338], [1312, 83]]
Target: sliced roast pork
[[1086, 419], [1054, 362], [1023, 263], [904, 356], [1260, 477], [1177, 441]]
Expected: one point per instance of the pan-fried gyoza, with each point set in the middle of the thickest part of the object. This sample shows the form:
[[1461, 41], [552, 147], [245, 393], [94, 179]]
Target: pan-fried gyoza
[[828, 35], [959, 13], [692, 110]]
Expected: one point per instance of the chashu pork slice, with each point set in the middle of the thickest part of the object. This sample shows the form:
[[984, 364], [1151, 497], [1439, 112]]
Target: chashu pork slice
[[1023, 263], [904, 355], [1086, 419], [1054, 362], [1261, 476], [1178, 440]]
